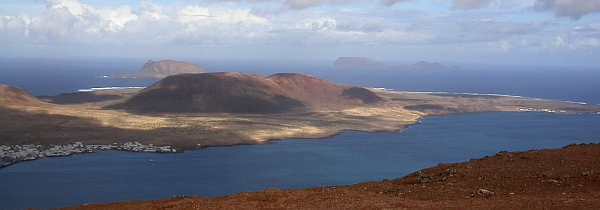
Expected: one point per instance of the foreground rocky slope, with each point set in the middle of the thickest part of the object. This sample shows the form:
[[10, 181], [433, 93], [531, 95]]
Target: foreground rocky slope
[[566, 178]]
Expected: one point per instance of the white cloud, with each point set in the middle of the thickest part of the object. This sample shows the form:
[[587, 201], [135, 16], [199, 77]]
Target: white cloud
[[469, 4], [558, 43], [489, 26], [569, 8], [69, 21], [321, 23], [76, 8], [391, 2], [13, 28], [504, 26], [501, 4], [364, 26], [305, 4], [586, 43], [152, 11], [192, 14], [116, 18], [502, 45], [72, 22]]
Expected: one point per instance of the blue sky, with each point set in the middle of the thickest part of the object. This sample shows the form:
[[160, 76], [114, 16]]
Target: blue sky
[[532, 32]]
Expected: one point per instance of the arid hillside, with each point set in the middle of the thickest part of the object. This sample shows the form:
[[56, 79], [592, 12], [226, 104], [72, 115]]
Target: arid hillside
[[12, 96], [566, 178]]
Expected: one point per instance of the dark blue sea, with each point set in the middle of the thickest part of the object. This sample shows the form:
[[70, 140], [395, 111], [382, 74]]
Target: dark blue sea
[[345, 159]]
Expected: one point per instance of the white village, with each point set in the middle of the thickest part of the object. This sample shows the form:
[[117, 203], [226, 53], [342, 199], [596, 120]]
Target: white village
[[17, 153]]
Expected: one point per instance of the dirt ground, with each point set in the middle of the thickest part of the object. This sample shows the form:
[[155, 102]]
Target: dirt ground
[[566, 178]]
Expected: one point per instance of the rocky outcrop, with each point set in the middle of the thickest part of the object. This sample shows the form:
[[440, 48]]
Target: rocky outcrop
[[358, 62], [162, 69], [362, 62], [427, 66]]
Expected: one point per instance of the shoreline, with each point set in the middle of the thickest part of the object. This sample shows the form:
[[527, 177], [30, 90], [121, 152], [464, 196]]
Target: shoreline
[[561, 177], [8, 149], [477, 156], [21, 153], [49, 124], [180, 149]]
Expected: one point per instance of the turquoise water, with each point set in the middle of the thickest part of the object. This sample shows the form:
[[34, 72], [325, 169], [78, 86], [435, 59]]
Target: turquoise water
[[345, 159]]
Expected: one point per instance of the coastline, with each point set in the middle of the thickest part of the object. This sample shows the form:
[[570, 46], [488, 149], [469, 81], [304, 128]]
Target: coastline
[[20, 153], [562, 178], [365, 137], [90, 124]]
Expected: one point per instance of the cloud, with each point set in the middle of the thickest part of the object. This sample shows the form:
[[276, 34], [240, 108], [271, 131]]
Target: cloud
[[569, 8], [391, 2], [271, 23], [72, 22], [489, 26], [558, 43], [502, 45], [361, 26], [305, 4], [317, 24], [116, 18], [586, 43], [13, 28], [469, 4]]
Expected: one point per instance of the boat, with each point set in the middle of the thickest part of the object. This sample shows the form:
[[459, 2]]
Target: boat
[[151, 160]]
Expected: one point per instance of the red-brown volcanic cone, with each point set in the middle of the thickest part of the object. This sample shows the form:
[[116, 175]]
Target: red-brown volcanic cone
[[320, 91], [308, 89], [212, 92], [243, 93]]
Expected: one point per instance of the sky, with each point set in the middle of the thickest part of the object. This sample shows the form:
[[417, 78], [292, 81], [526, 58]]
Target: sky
[[531, 32]]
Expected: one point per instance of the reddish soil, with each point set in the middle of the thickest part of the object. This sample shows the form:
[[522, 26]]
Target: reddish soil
[[566, 178]]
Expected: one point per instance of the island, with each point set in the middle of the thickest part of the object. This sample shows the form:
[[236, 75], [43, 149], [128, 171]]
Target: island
[[358, 62], [161, 69], [194, 111], [362, 62]]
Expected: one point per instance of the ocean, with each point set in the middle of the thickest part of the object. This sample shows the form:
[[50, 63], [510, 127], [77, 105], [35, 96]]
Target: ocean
[[348, 158]]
